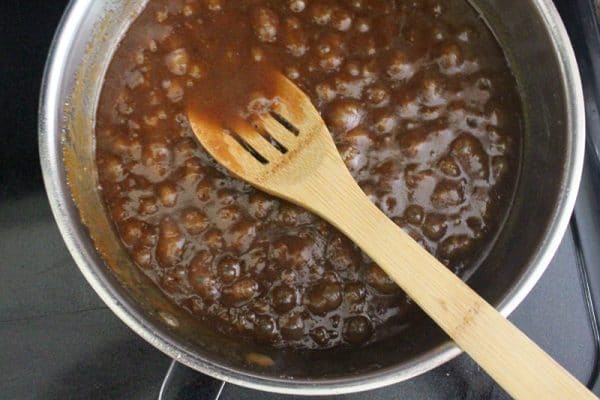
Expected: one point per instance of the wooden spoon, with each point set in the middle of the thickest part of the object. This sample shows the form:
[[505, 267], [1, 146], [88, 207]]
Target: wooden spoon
[[290, 154]]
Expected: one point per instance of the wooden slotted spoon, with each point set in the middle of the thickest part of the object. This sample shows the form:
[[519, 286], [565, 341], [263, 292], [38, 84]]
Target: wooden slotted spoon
[[305, 168]]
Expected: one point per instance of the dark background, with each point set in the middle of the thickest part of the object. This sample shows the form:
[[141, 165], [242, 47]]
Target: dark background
[[26, 29]]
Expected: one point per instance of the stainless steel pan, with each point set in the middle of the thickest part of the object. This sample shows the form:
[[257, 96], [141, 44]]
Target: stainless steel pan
[[541, 57]]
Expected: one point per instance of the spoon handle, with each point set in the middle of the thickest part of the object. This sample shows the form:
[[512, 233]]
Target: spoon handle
[[514, 361]]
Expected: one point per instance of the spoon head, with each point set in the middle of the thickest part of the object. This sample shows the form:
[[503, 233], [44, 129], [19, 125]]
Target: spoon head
[[273, 148]]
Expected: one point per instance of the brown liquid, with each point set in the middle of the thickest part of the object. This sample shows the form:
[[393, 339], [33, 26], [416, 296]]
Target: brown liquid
[[418, 98]]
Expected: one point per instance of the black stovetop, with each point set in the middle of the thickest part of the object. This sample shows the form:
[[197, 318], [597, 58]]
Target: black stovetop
[[58, 340]]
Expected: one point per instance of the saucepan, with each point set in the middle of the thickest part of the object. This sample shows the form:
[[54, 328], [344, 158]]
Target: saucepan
[[538, 49]]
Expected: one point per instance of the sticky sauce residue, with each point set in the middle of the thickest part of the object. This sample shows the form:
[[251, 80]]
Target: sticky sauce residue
[[424, 113]]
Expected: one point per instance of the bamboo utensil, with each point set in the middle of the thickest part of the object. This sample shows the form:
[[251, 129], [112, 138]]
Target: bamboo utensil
[[290, 154]]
